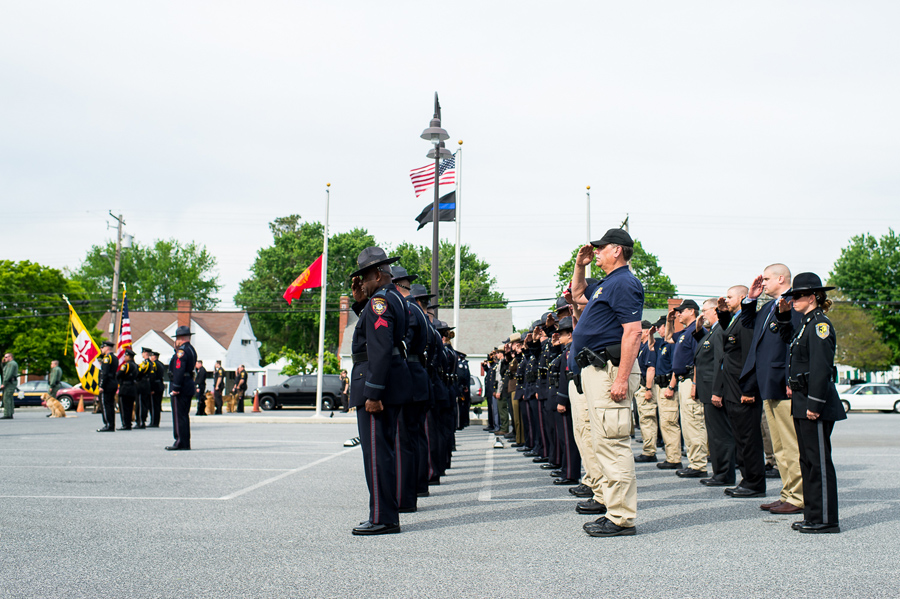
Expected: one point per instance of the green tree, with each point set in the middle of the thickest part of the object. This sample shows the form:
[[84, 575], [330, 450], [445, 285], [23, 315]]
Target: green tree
[[34, 317], [858, 343], [476, 285], [868, 273], [298, 363], [156, 276], [296, 244], [658, 287]]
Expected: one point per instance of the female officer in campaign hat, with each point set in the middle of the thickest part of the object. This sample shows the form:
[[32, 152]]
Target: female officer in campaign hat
[[815, 404]]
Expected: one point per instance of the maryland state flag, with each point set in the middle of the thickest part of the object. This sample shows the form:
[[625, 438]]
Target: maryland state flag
[[86, 352], [309, 278]]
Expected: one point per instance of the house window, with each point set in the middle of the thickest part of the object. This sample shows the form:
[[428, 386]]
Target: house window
[[245, 341]]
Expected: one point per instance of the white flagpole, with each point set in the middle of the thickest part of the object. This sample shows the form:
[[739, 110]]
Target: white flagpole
[[587, 270], [320, 375], [456, 266]]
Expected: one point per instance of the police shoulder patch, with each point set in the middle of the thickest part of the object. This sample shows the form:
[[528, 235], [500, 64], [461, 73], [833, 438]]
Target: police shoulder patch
[[822, 330], [180, 352], [379, 305], [597, 293]]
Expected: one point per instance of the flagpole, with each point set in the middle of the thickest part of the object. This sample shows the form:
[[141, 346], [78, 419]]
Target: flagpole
[[456, 265], [320, 375], [587, 270]]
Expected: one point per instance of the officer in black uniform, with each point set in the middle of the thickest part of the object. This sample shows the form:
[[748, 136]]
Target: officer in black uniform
[[200, 380], [109, 366], [156, 391], [570, 472], [181, 388], [126, 377], [815, 404], [418, 298], [219, 386], [379, 384], [146, 372]]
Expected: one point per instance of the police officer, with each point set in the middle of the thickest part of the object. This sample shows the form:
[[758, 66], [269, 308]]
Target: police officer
[[145, 375], [681, 386], [644, 398], [815, 403], [379, 384], [55, 377], [109, 366], [605, 346], [156, 390], [200, 380], [219, 386], [9, 384], [570, 470], [126, 377], [666, 402], [181, 388], [240, 387]]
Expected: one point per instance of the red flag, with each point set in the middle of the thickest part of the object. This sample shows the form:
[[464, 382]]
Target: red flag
[[309, 278]]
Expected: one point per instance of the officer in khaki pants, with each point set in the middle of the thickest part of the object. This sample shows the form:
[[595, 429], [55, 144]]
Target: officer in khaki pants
[[604, 347], [645, 398], [669, 427]]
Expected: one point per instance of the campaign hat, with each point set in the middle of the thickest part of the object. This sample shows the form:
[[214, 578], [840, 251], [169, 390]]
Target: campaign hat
[[419, 291], [565, 324], [371, 257], [806, 283], [182, 331], [398, 273]]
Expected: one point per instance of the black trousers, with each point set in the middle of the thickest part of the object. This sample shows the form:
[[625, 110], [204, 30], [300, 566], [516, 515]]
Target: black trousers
[[571, 458], [746, 424], [155, 407], [143, 402], [217, 396], [820, 500], [537, 423], [377, 436], [525, 411], [410, 431], [551, 449], [126, 408], [201, 401], [108, 406], [436, 445], [721, 442], [239, 395], [181, 419]]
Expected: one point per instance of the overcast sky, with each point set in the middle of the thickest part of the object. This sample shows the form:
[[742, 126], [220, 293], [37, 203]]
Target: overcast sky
[[734, 135]]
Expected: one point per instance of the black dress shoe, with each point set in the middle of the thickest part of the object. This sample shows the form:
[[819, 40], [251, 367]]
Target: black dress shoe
[[772, 473], [530, 454], [106, 429], [367, 528], [6, 417], [407, 510], [173, 448], [556, 473], [591, 506], [605, 528], [519, 445], [423, 494], [434, 481], [152, 426], [817, 528], [540, 460], [645, 458], [691, 473], [742, 493], [549, 466], [141, 426], [565, 481], [125, 428], [581, 490], [796, 525], [669, 465], [714, 482]]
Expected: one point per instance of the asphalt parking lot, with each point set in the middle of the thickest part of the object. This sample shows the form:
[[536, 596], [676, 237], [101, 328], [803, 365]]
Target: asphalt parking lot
[[264, 508]]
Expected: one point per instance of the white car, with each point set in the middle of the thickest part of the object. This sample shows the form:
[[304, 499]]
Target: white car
[[871, 396]]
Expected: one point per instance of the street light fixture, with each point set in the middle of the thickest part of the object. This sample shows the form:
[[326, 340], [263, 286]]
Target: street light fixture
[[436, 135]]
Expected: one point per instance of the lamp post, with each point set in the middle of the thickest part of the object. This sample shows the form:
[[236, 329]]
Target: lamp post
[[116, 268], [436, 136]]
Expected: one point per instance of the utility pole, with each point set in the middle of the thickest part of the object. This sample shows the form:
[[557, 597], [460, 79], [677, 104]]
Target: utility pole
[[115, 287]]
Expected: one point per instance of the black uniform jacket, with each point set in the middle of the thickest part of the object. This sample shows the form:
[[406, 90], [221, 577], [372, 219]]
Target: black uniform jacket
[[768, 346], [181, 369], [417, 338], [126, 376], [146, 372], [380, 371], [437, 365], [811, 359], [156, 377], [707, 360], [737, 345], [200, 379], [109, 366]]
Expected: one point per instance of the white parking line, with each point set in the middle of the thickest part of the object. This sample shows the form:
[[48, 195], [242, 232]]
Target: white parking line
[[284, 475], [487, 479]]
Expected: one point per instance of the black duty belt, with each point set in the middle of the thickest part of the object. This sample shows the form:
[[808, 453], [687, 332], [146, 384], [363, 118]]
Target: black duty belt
[[414, 359], [363, 356]]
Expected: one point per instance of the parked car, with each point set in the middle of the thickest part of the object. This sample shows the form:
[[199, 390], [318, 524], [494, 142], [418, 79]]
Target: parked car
[[30, 394], [300, 390], [871, 396], [476, 391]]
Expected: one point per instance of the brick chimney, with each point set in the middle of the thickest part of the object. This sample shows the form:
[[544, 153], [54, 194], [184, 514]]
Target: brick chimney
[[342, 321], [184, 313]]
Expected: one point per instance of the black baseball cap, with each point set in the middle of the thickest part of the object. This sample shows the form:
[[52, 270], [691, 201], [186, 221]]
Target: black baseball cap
[[688, 303], [616, 236], [646, 324]]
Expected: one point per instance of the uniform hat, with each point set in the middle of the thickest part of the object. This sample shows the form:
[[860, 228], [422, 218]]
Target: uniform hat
[[156, 353], [432, 306], [616, 236], [591, 281], [565, 324], [646, 324], [535, 325], [440, 325], [399, 273], [562, 304], [370, 258], [418, 291], [659, 323], [182, 331], [806, 283], [544, 317], [515, 337], [107, 344], [147, 350], [129, 351], [688, 303]]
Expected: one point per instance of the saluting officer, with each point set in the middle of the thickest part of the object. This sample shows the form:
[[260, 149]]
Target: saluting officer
[[380, 383], [156, 390], [181, 388], [605, 345], [681, 386], [145, 374], [570, 455], [126, 377], [815, 404], [109, 365], [219, 386]]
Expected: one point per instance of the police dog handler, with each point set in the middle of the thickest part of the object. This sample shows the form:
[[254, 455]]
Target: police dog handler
[[604, 349]]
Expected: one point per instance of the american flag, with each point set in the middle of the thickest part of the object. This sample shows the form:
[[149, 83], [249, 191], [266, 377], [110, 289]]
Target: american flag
[[423, 177], [124, 330]]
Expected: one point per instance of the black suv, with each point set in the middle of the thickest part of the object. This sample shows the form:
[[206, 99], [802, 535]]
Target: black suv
[[300, 390]]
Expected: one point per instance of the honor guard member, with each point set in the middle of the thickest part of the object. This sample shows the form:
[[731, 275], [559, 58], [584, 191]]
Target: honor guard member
[[605, 346], [438, 392], [815, 403], [181, 388], [464, 376], [219, 386], [418, 298], [200, 381], [156, 391], [411, 445], [448, 417], [693, 424], [126, 377], [9, 383], [379, 384], [570, 454], [55, 378], [535, 418], [668, 406], [646, 402], [549, 458], [145, 374], [109, 365]]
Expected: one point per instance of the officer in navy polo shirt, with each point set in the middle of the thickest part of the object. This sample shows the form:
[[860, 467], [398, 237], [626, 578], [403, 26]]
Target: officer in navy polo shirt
[[604, 349]]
